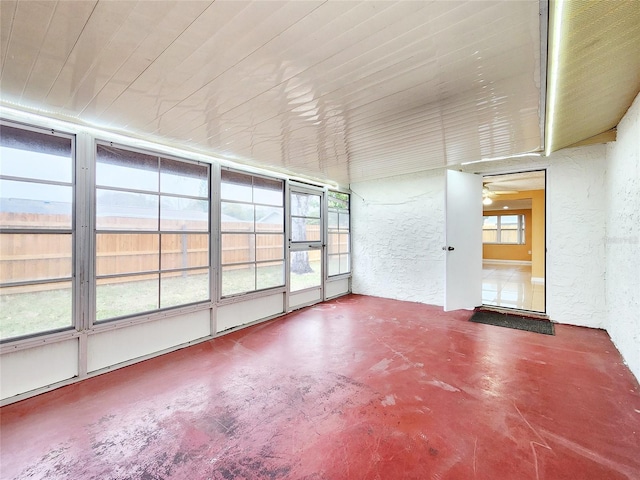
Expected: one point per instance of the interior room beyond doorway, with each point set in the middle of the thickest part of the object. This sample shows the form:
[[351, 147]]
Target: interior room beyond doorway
[[513, 237]]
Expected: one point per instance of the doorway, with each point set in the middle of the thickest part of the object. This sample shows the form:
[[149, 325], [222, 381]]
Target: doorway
[[306, 247], [514, 241]]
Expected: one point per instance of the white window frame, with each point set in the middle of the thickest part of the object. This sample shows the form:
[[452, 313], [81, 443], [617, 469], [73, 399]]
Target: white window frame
[[94, 277], [74, 324], [520, 229]]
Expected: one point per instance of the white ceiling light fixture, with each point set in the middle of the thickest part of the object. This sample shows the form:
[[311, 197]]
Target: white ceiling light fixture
[[487, 201]]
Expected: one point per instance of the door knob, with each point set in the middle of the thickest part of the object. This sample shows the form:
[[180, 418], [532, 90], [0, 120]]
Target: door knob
[[448, 248]]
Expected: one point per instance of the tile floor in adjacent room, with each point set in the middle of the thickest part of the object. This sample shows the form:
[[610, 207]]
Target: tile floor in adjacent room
[[356, 388], [509, 286]]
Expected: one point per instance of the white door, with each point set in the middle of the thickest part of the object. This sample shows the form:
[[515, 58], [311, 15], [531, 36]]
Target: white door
[[463, 249]]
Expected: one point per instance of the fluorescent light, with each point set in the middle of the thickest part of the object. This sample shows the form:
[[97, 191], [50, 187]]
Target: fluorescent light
[[506, 157], [553, 74]]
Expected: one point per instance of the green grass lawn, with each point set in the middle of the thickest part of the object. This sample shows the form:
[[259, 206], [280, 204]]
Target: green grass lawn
[[35, 312], [27, 313]]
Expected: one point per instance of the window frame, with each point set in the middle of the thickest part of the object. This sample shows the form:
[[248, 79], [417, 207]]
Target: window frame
[[521, 228], [256, 292], [339, 231], [159, 231], [74, 324]]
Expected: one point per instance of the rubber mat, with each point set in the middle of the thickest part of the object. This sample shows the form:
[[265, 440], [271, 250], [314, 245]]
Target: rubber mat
[[513, 321]]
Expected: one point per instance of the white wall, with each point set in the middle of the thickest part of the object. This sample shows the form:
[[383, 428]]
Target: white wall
[[623, 238], [398, 229], [398, 234], [576, 236]]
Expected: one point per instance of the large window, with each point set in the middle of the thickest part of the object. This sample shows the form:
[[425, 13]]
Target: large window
[[338, 251], [36, 232], [152, 233], [508, 229], [252, 233]]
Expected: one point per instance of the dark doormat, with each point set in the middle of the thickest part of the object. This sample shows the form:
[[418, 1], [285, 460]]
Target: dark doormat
[[513, 321]]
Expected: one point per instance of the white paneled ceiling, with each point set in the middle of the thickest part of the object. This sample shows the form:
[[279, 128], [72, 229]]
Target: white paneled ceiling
[[340, 90]]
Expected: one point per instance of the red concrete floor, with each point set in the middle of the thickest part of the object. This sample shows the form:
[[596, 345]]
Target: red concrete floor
[[357, 388]]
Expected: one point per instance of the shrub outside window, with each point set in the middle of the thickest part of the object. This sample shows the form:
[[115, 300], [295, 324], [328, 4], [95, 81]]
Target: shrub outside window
[[36, 232], [152, 233]]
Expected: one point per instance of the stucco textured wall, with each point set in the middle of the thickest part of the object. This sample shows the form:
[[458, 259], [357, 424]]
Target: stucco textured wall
[[575, 275], [398, 234], [623, 238], [576, 236]]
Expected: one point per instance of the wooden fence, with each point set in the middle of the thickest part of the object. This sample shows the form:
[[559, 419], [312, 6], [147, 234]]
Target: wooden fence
[[27, 257]]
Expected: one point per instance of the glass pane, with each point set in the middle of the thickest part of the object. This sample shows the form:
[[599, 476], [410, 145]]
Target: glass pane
[[184, 178], [15, 137], [332, 220], [181, 288], [344, 221], [238, 279], [238, 248], [118, 253], [344, 243], [25, 257], [235, 186], [120, 296], [126, 211], [303, 205], [184, 250], [184, 214], [35, 205], [509, 229], [305, 229], [42, 166], [33, 309], [334, 265], [508, 236], [28, 154], [269, 219], [236, 217], [339, 201], [490, 229], [333, 246], [120, 168], [270, 275], [305, 270], [509, 221], [345, 263], [269, 247], [266, 190]]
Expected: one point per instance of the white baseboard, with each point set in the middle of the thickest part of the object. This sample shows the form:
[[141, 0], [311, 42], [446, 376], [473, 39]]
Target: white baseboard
[[506, 262], [537, 280]]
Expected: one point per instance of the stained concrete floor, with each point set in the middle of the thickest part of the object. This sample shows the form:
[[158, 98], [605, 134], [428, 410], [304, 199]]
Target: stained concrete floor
[[357, 388]]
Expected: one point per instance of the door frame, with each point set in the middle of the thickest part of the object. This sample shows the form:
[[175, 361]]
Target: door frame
[[511, 171], [307, 294]]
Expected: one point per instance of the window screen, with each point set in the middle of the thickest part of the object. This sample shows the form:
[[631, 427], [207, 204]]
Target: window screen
[[338, 229], [152, 233], [36, 232], [252, 233]]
